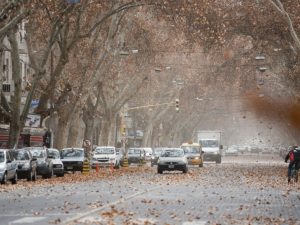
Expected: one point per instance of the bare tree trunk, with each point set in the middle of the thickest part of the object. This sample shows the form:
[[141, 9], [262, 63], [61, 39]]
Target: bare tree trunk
[[62, 133], [106, 127], [148, 135], [112, 131], [15, 123], [73, 139]]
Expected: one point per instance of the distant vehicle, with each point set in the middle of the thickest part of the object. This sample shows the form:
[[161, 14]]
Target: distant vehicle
[[72, 159], [44, 161], [172, 159], [193, 152], [105, 156], [8, 167], [58, 166], [136, 155], [211, 145], [255, 149], [155, 155], [148, 153], [232, 151], [27, 164]]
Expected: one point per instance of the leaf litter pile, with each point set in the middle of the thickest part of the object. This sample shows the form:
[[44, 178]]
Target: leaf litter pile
[[259, 176]]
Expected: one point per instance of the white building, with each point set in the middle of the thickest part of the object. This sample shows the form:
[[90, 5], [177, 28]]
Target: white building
[[8, 87]]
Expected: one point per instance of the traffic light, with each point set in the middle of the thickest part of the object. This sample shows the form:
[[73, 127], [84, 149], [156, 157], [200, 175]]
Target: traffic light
[[177, 104]]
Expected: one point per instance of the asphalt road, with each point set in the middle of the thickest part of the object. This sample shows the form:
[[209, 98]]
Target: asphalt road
[[248, 189]]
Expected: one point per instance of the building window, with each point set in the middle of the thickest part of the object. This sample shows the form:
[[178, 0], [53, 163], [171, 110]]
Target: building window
[[6, 87], [6, 70]]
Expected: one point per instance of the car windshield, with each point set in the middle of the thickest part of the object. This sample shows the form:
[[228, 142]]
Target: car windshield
[[191, 149], [209, 143], [157, 152], [38, 153], [134, 151], [172, 153], [104, 151], [54, 154], [21, 155], [1, 157], [73, 152]]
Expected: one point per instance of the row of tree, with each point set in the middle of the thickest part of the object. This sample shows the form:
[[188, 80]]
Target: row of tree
[[89, 58]]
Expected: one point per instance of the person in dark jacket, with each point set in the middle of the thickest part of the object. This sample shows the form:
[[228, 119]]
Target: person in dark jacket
[[291, 157]]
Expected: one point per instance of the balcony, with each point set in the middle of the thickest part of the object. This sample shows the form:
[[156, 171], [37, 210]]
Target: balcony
[[6, 87]]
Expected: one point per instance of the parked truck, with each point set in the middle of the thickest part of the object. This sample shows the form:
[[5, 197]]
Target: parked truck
[[210, 142]]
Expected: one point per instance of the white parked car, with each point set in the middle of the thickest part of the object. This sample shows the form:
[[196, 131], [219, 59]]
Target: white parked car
[[58, 166], [148, 153], [105, 156]]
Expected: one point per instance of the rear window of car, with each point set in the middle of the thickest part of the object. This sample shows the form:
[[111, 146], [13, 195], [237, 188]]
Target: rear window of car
[[71, 153], [21, 155], [1, 156], [104, 151], [54, 154], [134, 151], [38, 153]]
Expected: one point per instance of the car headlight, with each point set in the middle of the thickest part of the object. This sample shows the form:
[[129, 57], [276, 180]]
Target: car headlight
[[215, 153], [112, 159], [94, 159], [196, 158], [26, 165], [79, 163], [59, 166], [2, 168]]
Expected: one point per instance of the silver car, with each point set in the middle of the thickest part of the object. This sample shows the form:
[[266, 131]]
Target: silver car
[[8, 167], [172, 159], [58, 166], [72, 159]]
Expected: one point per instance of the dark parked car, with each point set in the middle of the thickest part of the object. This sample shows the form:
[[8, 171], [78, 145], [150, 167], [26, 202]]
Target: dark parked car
[[136, 155], [72, 159], [58, 166], [8, 167], [155, 155], [26, 164], [44, 161]]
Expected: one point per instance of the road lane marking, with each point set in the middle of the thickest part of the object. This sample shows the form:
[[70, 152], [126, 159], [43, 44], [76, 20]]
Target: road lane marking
[[195, 222], [27, 220], [121, 200]]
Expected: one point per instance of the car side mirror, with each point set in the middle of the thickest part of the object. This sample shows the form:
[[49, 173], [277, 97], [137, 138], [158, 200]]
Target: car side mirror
[[50, 157], [203, 152], [8, 161], [34, 158]]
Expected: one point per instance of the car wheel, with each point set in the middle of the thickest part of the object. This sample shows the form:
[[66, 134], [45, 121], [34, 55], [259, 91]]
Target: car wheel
[[185, 170], [117, 166], [15, 179], [60, 174], [159, 170], [30, 176], [34, 176], [4, 180], [50, 175]]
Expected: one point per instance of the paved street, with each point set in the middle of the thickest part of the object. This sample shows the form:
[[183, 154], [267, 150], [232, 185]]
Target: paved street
[[242, 190]]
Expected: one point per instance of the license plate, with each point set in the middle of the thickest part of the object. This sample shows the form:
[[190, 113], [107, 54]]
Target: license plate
[[171, 166], [69, 167]]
